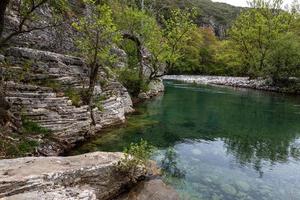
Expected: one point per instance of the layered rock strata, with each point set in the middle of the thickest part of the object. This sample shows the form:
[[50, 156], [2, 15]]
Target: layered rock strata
[[85, 177], [54, 110]]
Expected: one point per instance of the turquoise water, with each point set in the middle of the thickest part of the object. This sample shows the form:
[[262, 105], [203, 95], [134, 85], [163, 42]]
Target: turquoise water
[[218, 143]]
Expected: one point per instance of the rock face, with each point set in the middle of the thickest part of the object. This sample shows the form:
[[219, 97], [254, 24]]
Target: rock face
[[156, 87], [89, 176], [54, 110]]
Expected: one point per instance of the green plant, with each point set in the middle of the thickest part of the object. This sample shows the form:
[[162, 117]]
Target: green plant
[[75, 95], [27, 146], [136, 156], [97, 38], [131, 80], [33, 128], [99, 103], [17, 147], [55, 85]]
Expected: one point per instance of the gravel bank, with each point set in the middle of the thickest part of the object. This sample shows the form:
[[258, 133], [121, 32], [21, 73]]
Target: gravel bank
[[242, 82]]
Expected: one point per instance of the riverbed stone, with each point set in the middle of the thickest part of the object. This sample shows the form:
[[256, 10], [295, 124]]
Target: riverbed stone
[[151, 190], [243, 185], [228, 189]]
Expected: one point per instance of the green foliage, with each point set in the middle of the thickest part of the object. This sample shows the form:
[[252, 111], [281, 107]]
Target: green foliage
[[26, 146], [227, 61], [75, 95], [131, 50], [14, 145], [99, 103], [146, 29], [99, 34], [206, 10], [264, 40], [136, 156], [169, 164], [32, 128], [132, 81], [177, 32], [28, 12], [53, 84]]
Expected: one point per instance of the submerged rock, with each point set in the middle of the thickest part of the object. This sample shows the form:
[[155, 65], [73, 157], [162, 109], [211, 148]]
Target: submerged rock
[[228, 189], [89, 176], [151, 190]]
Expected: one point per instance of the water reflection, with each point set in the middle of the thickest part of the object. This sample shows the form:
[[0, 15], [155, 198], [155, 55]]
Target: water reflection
[[169, 164], [218, 143]]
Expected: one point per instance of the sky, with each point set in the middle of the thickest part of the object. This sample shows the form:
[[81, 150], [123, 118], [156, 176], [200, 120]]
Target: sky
[[242, 2]]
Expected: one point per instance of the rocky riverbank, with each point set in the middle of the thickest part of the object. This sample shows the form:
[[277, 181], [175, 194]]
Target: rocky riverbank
[[241, 82], [43, 88], [85, 177]]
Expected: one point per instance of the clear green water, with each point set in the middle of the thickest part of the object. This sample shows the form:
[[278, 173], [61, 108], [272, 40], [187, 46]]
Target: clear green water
[[218, 143]]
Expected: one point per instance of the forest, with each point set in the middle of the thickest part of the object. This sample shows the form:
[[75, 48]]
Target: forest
[[149, 99], [260, 41]]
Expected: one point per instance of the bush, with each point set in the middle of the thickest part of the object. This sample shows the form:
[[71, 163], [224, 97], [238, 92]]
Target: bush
[[12, 149], [30, 127], [75, 95], [53, 84], [136, 156], [99, 103], [131, 80]]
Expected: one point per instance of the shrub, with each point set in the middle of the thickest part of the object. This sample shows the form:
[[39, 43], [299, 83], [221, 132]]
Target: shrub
[[99, 103], [131, 80], [30, 127], [27, 146], [53, 84], [12, 149], [75, 95], [135, 157]]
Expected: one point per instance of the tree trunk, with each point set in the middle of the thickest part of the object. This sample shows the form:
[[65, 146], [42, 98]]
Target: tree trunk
[[90, 93], [3, 6]]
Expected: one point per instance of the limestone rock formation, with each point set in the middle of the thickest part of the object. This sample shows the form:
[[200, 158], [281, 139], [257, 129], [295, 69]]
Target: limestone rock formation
[[54, 110], [89, 176]]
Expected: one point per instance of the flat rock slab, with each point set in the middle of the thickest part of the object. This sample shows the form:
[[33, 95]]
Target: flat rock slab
[[89, 176]]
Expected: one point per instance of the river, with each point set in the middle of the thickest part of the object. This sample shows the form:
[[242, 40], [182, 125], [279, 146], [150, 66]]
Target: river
[[217, 142]]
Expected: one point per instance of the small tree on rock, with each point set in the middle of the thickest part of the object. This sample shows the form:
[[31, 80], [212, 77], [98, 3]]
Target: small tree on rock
[[28, 17], [98, 36]]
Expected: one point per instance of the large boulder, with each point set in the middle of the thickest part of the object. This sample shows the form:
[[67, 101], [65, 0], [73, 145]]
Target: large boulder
[[89, 176]]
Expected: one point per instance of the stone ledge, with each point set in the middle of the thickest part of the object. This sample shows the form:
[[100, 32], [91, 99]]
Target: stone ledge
[[89, 176]]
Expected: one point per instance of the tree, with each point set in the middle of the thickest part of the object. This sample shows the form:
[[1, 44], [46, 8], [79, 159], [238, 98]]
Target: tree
[[98, 36], [145, 32], [262, 38], [26, 11], [190, 62], [177, 32]]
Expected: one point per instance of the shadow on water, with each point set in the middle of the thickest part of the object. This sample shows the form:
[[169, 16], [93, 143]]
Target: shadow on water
[[218, 143]]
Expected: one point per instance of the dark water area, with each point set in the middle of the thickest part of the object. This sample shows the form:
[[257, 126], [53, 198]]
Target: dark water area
[[217, 143]]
